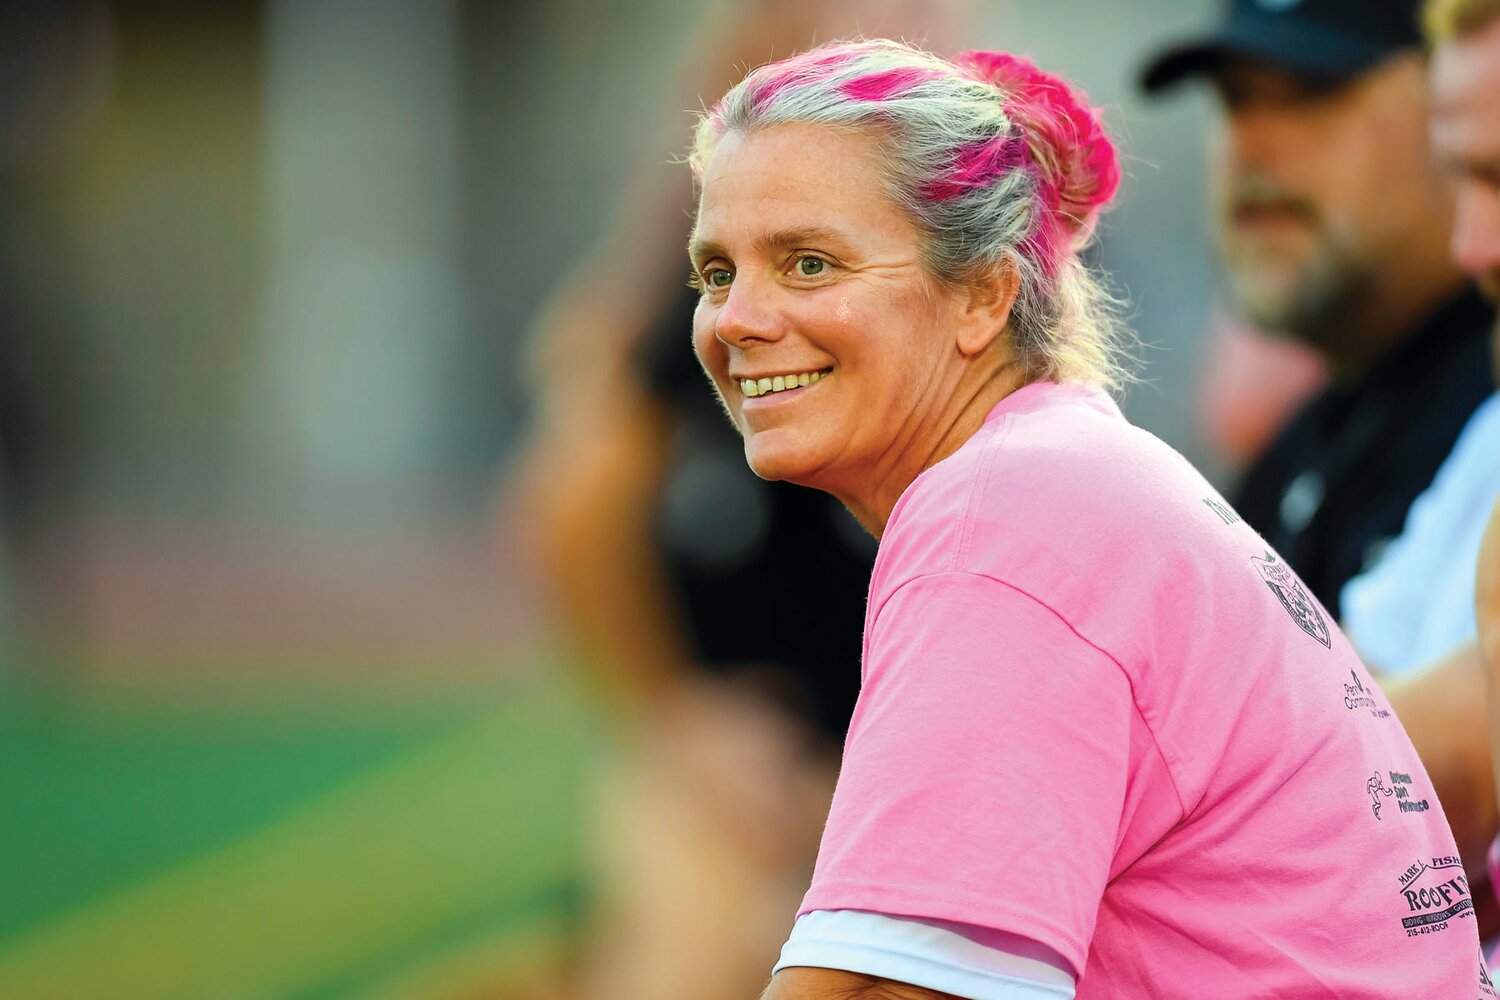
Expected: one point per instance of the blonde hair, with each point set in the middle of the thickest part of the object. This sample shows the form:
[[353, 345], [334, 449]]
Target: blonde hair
[[994, 160], [1445, 20]]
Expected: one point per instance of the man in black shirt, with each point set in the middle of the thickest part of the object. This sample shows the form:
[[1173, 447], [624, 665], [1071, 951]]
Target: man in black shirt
[[1333, 222]]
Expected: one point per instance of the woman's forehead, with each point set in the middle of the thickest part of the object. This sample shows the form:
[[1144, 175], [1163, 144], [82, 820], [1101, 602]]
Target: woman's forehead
[[761, 186]]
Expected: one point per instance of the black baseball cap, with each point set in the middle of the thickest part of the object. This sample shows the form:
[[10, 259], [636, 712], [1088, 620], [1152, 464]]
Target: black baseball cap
[[1324, 40]]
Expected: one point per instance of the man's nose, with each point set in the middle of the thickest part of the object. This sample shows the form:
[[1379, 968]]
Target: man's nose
[[1476, 230], [1254, 135]]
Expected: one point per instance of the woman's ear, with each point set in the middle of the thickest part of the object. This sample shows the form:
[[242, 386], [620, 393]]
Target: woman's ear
[[992, 294]]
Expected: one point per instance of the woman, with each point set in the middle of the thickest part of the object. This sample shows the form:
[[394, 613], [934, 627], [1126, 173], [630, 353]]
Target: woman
[[1105, 740]]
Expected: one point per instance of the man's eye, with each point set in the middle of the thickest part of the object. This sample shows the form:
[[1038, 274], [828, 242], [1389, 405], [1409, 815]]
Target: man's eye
[[811, 267], [717, 277]]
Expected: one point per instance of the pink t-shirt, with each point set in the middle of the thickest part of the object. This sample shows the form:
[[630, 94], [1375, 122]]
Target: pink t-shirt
[[1097, 712]]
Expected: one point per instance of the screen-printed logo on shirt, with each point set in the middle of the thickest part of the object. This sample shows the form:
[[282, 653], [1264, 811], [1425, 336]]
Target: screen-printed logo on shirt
[[1400, 787], [1486, 984], [1297, 602], [1226, 513], [1434, 891], [1375, 787], [1356, 695]]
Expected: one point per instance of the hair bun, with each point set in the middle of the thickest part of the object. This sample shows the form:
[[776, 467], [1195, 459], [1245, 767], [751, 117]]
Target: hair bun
[[1076, 162]]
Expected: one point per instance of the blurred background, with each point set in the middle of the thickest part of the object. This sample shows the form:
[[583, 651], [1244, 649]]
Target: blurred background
[[279, 715]]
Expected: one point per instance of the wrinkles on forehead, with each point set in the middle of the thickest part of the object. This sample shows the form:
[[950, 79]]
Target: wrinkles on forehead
[[798, 186]]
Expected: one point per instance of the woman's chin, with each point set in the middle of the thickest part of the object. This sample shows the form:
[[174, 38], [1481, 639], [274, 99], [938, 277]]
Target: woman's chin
[[775, 468], [779, 460]]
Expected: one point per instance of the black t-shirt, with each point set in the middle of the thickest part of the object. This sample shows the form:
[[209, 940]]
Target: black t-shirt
[[769, 576], [1336, 483]]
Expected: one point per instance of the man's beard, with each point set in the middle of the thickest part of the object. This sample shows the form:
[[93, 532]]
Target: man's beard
[[1308, 293]]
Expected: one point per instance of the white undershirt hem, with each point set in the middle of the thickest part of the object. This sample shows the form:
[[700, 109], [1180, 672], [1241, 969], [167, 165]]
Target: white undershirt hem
[[933, 954]]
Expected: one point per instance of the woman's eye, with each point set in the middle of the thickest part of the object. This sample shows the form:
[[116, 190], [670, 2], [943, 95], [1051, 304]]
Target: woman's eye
[[717, 277], [811, 267]]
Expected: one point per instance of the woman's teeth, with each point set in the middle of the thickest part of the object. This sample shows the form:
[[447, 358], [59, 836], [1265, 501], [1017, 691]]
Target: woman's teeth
[[759, 387]]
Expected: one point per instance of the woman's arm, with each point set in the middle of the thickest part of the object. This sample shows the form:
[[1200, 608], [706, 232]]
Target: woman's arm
[[1487, 616], [1443, 711], [834, 984], [581, 505]]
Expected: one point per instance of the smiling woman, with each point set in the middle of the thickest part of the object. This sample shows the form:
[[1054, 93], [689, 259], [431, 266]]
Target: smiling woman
[[845, 298], [880, 255], [1105, 742]]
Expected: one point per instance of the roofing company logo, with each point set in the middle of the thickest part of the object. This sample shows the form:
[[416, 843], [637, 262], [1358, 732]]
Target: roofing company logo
[[1297, 602], [1434, 892]]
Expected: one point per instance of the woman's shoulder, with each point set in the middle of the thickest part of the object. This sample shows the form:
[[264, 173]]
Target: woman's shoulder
[[1057, 473], [1049, 450]]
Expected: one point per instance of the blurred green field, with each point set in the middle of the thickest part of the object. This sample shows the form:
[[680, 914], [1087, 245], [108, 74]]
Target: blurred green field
[[288, 850]]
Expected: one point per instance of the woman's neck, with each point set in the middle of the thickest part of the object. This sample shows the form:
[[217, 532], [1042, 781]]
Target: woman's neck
[[968, 403]]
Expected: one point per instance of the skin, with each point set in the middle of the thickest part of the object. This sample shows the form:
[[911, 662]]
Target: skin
[[1332, 218], [1487, 611], [832, 984], [1466, 142], [1443, 710], [807, 266]]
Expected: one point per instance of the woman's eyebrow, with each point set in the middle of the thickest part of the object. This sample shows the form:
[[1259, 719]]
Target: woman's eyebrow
[[800, 236], [700, 249]]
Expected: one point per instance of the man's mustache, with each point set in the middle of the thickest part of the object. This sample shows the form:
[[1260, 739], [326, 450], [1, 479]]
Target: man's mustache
[[1255, 193]]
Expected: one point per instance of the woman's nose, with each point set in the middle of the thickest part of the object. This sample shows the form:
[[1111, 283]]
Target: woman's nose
[[748, 315]]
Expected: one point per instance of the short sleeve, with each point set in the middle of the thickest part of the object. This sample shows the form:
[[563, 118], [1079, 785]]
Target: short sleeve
[[984, 775], [934, 954]]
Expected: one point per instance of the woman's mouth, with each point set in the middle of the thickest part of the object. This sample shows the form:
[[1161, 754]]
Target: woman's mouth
[[781, 383]]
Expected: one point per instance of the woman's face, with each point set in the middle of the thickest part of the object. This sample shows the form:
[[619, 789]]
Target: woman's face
[[812, 278]]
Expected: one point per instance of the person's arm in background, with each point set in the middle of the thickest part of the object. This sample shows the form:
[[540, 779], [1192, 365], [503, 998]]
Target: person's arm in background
[[1445, 708], [587, 481], [1444, 711], [582, 510], [582, 494]]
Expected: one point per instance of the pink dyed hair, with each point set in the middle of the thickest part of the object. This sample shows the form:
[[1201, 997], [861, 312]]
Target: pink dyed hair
[[883, 85], [1077, 165], [799, 71], [978, 165], [1059, 139]]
